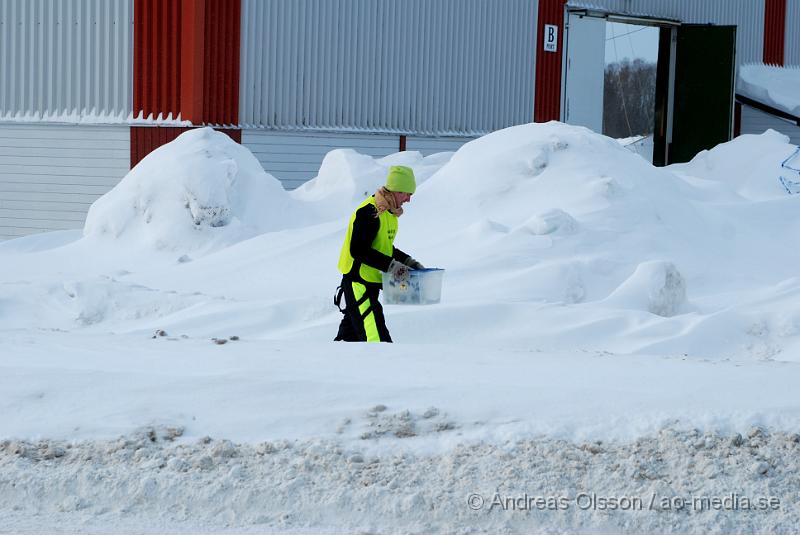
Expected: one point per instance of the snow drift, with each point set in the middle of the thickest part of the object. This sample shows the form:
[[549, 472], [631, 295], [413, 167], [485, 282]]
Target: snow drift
[[548, 226], [202, 190], [589, 296]]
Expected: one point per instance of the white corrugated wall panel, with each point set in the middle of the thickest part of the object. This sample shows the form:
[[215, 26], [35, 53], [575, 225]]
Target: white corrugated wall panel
[[747, 15], [432, 145], [51, 174], [757, 122], [65, 60], [443, 67], [792, 50], [295, 157]]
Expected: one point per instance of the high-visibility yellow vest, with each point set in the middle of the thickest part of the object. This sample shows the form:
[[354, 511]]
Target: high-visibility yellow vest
[[383, 243]]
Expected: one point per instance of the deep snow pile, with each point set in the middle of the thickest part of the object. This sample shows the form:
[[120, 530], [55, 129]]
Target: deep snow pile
[[346, 177], [662, 483], [775, 86], [563, 251], [202, 190], [547, 232]]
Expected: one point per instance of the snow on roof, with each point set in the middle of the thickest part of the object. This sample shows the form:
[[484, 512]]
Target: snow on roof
[[778, 87]]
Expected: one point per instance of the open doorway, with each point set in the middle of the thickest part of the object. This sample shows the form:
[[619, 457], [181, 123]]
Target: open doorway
[[629, 85], [667, 113], [610, 81]]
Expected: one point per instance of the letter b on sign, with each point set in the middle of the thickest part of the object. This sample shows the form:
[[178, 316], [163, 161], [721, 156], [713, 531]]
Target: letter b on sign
[[550, 37]]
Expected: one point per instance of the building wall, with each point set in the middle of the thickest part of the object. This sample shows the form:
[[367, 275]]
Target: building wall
[[294, 157], [65, 60], [792, 55], [432, 145], [50, 175], [757, 122], [456, 67], [748, 15]]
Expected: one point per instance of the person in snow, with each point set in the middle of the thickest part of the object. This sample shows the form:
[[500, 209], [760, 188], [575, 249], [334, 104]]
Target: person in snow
[[368, 250]]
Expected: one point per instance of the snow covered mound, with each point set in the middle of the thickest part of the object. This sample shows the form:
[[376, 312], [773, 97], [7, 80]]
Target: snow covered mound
[[749, 166], [202, 190], [512, 174], [581, 201], [552, 236], [657, 287], [346, 177]]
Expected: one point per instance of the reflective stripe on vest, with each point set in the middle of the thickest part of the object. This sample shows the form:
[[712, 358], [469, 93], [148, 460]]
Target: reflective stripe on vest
[[382, 243]]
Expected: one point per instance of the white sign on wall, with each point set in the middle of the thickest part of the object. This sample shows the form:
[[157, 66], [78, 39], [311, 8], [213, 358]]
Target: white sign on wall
[[550, 38]]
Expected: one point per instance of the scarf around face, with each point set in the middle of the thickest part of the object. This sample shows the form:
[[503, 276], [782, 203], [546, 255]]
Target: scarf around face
[[384, 200]]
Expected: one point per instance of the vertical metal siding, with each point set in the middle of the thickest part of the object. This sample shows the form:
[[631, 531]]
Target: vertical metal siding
[[757, 122], [748, 15], [432, 145], [50, 174], [60, 58], [792, 56], [174, 43], [414, 66], [145, 139], [548, 64], [294, 158], [156, 58], [774, 31]]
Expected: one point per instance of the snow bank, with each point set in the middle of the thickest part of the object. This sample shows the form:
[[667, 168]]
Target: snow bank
[[774, 86], [551, 211], [660, 483], [564, 251], [346, 177], [749, 166], [201, 191]]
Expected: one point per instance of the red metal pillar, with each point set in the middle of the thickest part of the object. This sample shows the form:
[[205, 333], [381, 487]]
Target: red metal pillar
[[774, 31], [547, 105]]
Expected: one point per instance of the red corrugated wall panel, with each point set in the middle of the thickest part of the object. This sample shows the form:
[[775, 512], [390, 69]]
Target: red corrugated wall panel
[[221, 61], [547, 106], [186, 60], [145, 139], [156, 57], [774, 31]]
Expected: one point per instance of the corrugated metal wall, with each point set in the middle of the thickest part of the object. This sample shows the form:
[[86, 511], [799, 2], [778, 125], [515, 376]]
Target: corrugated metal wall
[[449, 66], [221, 66], [65, 58], [757, 122], [156, 58], [792, 56], [548, 64], [294, 157], [145, 139], [774, 31], [50, 174], [748, 15], [432, 145]]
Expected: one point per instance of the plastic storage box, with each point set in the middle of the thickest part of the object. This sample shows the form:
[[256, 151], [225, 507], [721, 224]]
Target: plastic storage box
[[423, 287]]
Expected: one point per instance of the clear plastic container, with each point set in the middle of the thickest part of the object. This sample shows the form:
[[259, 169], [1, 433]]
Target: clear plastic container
[[423, 287]]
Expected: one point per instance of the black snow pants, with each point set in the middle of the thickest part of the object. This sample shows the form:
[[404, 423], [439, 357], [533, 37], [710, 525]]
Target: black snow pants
[[363, 319]]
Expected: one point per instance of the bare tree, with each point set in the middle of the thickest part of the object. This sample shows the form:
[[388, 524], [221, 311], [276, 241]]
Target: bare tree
[[629, 98]]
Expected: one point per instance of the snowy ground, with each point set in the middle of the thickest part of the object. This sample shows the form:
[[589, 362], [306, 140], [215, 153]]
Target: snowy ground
[[607, 329]]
